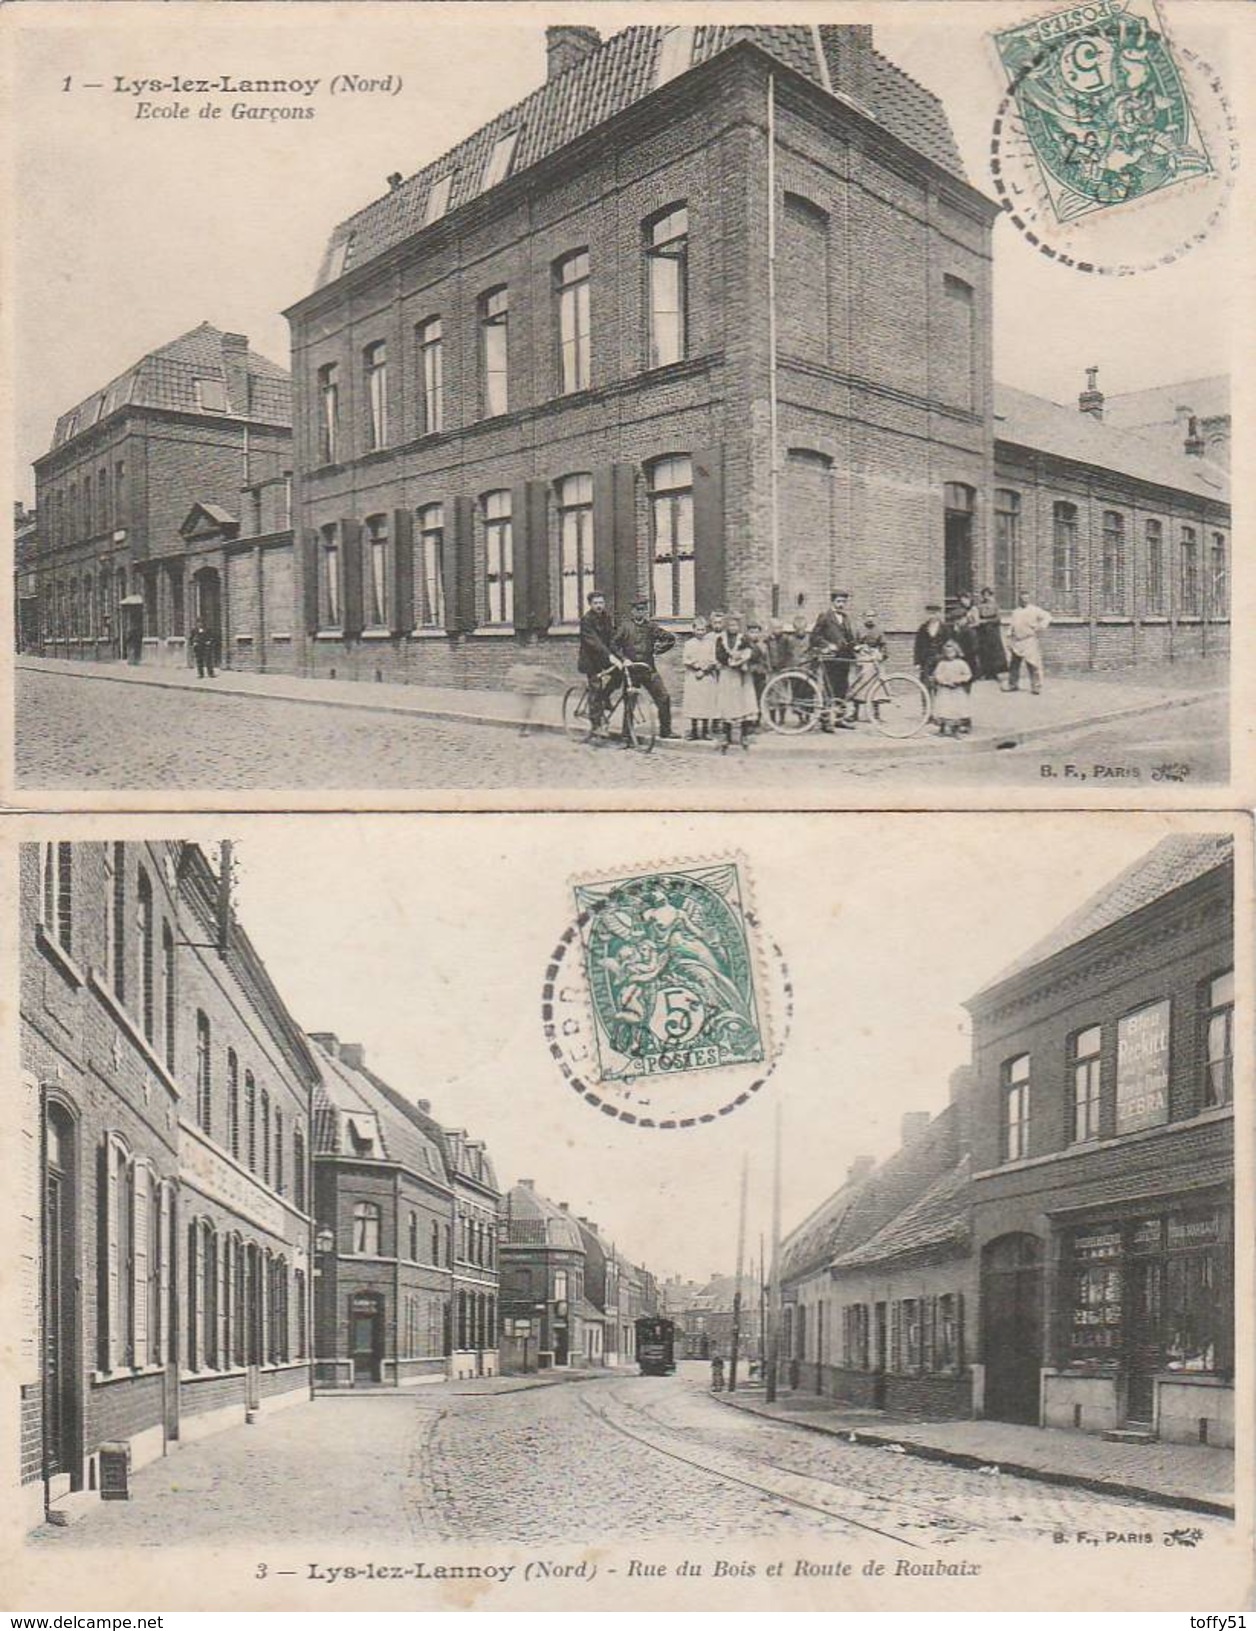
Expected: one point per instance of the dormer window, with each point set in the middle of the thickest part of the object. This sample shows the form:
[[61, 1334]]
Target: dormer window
[[339, 258], [499, 160], [438, 199], [211, 396], [675, 54], [360, 1134]]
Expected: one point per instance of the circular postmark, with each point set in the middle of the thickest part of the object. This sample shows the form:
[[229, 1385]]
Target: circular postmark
[[1114, 150], [664, 1004]]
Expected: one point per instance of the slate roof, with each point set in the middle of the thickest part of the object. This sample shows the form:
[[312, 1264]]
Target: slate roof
[[938, 1219], [1175, 861], [343, 1090], [534, 1220], [166, 378], [1207, 398], [470, 1158], [1034, 422], [621, 72]]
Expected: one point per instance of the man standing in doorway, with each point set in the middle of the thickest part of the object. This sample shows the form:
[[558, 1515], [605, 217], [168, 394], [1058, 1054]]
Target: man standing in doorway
[[203, 649], [1024, 628], [833, 642], [641, 641]]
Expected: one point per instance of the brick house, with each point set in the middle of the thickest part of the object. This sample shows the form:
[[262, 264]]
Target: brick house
[[165, 1115], [562, 353], [164, 498], [1103, 1156], [406, 1235], [542, 1282]]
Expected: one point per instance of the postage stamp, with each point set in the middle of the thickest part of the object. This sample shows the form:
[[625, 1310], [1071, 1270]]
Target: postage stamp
[[665, 1004], [1104, 104]]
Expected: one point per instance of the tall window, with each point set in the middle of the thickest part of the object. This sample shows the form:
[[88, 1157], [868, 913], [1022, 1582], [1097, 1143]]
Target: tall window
[[436, 1243], [265, 1136], [431, 567], [1064, 555], [414, 1237], [499, 557], [168, 1003], [278, 1145], [1218, 578], [233, 1103], [250, 1120], [1190, 573], [671, 535], [330, 577], [431, 377], [571, 278], [494, 351], [1219, 1040], [366, 1229], [119, 494], [144, 949], [102, 497], [1153, 541], [376, 564], [667, 286], [58, 893], [1112, 597], [575, 544], [204, 1069], [298, 1167], [1086, 1082], [375, 362], [1007, 519], [328, 413], [115, 915], [1016, 1108], [959, 318]]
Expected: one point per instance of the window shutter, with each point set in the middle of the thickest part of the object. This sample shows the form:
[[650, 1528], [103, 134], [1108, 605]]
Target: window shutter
[[928, 1333], [615, 536], [531, 511], [959, 1330], [459, 567], [896, 1335], [140, 1182], [113, 1253], [403, 571], [604, 533], [708, 528], [309, 581], [351, 578]]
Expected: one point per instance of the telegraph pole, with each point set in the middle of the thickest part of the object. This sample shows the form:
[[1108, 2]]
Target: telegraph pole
[[741, 1252], [774, 1303]]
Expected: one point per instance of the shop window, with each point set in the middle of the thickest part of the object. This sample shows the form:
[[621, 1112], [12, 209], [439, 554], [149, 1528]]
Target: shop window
[[1016, 1108], [1086, 1084], [1219, 1040], [366, 1220], [671, 535], [667, 286], [1097, 1302]]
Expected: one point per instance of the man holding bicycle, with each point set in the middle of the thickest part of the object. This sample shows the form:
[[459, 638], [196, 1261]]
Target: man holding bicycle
[[833, 642], [598, 652], [639, 640]]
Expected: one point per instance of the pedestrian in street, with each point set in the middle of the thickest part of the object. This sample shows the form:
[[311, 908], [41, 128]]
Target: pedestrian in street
[[965, 621], [640, 640], [931, 637], [701, 669], [758, 666], [203, 649], [717, 1374], [991, 651], [870, 652], [735, 704], [952, 692], [833, 642], [1024, 630], [596, 654]]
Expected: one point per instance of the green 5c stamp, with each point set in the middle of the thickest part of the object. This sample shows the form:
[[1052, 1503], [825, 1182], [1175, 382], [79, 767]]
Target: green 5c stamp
[[1104, 106], [659, 1000]]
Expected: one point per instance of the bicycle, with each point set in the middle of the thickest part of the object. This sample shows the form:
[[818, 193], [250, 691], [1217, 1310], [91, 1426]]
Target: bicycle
[[630, 713], [798, 699]]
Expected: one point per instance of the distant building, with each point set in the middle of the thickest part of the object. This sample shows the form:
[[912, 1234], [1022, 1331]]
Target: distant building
[[165, 497], [704, 1317], [542, 1283], [25, 578], [1192, 416], [406, 1235]]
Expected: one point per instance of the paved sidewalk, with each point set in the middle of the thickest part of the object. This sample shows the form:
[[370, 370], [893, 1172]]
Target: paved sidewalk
[[1068, 704], [1198, 1477]]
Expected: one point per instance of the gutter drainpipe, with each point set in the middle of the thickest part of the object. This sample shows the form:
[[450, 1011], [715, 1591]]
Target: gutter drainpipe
[[773, 414]]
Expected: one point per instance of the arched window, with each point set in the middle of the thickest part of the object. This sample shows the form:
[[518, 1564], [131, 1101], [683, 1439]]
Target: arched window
[[957, 342], [233, 1103], [375, 371], [414, 1237], [1112, 590], [430, 567], [1064, 556], [144, 951], [436, 1243], [803, 279], [1007, 522], [574, 496], [429, 342], [250, 1120], [204, 1069], [298, 1167], [265, 1135], [1153, 545], [494, 319], [571, 294], [58, 894], [499, 562], [667, 286], [366, 1219], [670, 482], [1189, 573], [168, 1004]]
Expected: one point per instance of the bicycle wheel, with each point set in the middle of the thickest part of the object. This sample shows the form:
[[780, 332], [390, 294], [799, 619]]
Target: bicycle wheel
[[576, 713], [791, 703], [640, 722], [900, 705]]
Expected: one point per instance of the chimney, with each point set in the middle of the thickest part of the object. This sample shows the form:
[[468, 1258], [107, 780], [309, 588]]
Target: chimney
[[566, 45], [914, 1124], [563, 1206], [847, 49], [859, 1169], [395, 180], [235, 365], [328, 1041], [527, 1183], [425, 1105], [1091, 399], [353, 1054], [1194, 443]]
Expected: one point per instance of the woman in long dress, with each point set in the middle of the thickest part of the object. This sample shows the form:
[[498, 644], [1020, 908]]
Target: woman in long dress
[[734, 695], [991, 652]]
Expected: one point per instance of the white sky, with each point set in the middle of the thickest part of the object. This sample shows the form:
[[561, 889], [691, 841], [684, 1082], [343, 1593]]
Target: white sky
[[127, 233], [426, 938]]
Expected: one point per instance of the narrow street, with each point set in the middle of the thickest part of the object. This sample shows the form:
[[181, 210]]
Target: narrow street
[[603, 1461], [93, 734]]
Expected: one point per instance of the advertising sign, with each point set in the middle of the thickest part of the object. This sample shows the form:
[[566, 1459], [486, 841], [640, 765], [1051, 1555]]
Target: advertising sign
[[1142, 1069]]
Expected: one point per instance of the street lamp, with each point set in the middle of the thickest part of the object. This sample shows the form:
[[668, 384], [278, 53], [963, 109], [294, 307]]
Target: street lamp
[[324, 1246]]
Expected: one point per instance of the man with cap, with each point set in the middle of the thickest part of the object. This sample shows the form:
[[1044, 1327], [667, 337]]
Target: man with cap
[[597, 654], [640, 640], [931, 638], [833, 642]]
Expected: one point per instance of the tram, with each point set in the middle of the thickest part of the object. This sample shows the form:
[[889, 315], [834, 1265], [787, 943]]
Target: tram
[[656, 1346]]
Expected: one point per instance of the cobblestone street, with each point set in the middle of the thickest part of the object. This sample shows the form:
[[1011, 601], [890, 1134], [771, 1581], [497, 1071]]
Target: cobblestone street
[[605, 1461], [94, 734]]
